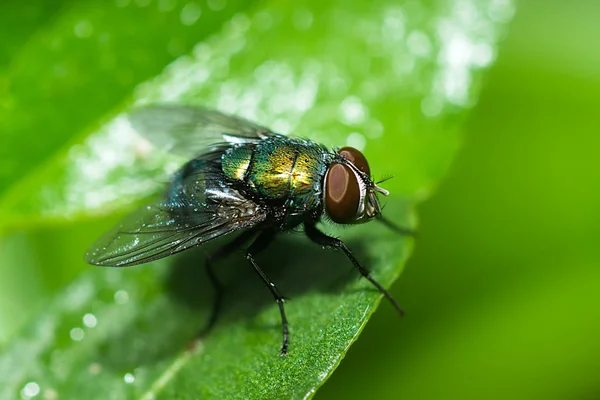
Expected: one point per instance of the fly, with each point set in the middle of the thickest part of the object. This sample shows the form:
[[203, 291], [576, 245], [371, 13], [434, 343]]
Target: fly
[[243, 178]]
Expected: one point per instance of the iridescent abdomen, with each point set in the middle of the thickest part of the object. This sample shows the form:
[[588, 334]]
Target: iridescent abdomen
[[285, 169]]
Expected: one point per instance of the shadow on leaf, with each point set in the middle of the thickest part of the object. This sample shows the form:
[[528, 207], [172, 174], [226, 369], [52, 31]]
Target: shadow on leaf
[[296, 265], [171, 315]]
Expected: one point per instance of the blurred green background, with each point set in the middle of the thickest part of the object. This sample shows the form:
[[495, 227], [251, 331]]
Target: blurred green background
[[502, 293], [503, 290]]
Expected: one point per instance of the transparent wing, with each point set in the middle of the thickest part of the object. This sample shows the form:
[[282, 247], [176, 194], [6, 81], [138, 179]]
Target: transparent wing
[[197, 207], [190, 131]]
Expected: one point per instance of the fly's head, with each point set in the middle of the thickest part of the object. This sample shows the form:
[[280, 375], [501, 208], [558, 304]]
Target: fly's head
[[350, 194]]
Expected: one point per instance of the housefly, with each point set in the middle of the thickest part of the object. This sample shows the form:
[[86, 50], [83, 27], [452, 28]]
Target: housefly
[[242, 178]]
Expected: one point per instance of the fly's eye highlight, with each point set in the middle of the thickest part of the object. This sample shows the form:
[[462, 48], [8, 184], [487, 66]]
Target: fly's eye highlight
[[342, 196], [355, 157]]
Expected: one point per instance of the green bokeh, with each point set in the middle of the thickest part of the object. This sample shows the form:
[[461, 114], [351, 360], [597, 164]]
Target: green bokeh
[[502, 293], [503, 290]]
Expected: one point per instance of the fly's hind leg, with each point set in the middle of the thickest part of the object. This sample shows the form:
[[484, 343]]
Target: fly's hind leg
[[257, 246], [218, 254]]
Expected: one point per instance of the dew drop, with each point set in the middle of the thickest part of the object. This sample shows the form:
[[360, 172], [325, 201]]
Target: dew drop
[[356, 140], [50, 394], [483, 55], [166, 5], [216, 5], [95, 368], [241, 22], [31, 389], [129, 378], [90, 320], [121, 297], [352, 110], [190, 14], [431, 107], [501, 11], [77, 334], [263, 20], [419, 43], [83, 29], [302, 19]]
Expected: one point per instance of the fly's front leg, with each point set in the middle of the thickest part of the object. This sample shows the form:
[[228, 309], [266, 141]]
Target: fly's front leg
[[257, 246], [319, 237]]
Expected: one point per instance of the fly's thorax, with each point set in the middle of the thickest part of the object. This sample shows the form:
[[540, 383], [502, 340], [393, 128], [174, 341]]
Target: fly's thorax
[[280, 168]]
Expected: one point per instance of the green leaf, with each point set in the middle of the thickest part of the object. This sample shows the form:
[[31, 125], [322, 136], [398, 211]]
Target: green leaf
[[89, 54], [393, 79]]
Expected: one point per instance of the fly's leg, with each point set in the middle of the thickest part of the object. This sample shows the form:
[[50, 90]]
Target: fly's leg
[[319, 237], [217, 285], [398, 229], [257, 246]]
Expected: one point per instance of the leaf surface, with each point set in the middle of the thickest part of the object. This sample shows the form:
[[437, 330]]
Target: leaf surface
[[394, 80]]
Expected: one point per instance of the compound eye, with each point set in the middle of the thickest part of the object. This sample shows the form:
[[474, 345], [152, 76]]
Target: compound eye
[[355, 157], [342, 195]]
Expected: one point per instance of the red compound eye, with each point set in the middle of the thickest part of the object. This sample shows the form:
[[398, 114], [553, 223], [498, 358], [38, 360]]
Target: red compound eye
[[355, 157], [342, 195]]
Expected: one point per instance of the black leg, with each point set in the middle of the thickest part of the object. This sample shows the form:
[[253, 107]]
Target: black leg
[[222, 252], [398, 229], [257, 246], [320, 238]]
